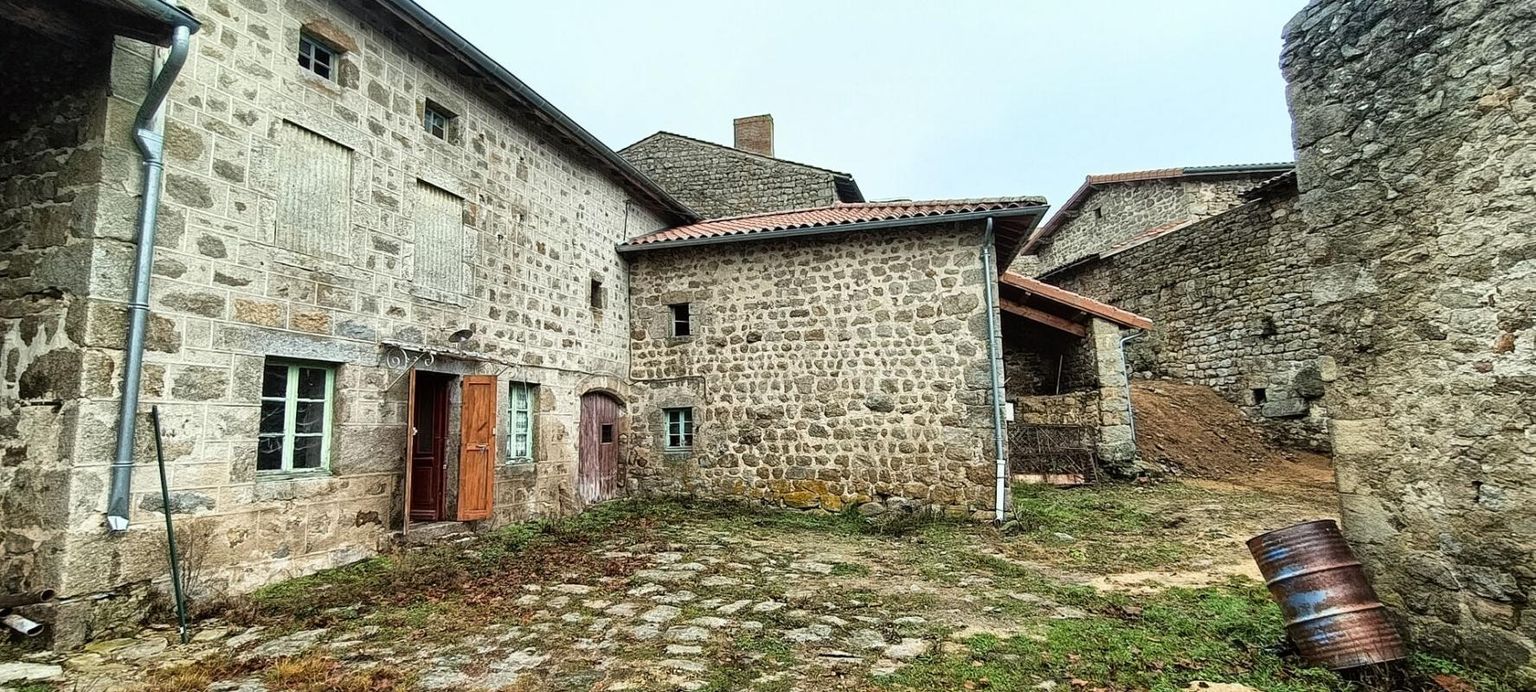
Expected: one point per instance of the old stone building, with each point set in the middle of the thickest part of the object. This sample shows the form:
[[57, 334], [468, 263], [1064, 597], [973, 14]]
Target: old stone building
[[719, 181], [1415, 132], [1116, 209], [824, 358], [366, 227], [1232, 299]]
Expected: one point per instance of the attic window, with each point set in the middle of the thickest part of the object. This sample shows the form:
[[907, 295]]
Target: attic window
[[1098, 212], [435, 120], [317, 57]]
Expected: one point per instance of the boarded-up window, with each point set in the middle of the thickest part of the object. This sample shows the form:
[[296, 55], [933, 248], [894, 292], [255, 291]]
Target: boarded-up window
[[440, 261], [314, 198]]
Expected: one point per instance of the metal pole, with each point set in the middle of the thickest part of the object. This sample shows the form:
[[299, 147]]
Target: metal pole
[[170, 528]]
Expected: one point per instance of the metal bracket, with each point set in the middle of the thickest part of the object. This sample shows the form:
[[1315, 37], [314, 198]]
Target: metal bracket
[[396, 356]]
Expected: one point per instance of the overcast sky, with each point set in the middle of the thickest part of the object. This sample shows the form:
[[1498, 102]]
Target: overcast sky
[[961, 98]]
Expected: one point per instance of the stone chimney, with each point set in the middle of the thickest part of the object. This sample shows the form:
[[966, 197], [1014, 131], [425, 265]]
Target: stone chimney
[[754, 133]]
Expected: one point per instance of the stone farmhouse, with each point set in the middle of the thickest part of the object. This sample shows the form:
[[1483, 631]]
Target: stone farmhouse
[[378, 288]]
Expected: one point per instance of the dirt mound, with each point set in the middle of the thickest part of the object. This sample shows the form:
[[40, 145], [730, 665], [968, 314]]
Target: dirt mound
[[1193, 432]]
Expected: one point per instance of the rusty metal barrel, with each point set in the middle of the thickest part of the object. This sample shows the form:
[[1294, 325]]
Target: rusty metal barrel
[[1331, 612]]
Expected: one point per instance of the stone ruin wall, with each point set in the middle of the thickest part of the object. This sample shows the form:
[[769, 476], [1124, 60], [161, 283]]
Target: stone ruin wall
[[824, 372], [1415, 129], [718, 181], [1128, 208], [1231, 302]]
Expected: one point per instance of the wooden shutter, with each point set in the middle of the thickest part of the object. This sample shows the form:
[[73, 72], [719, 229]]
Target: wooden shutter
[[314, 197], [477, 450]]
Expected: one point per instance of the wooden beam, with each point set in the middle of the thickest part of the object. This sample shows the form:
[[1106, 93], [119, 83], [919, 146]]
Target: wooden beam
[[51, 21], [1016, 308]]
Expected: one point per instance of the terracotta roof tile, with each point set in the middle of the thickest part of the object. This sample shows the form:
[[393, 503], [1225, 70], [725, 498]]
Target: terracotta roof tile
[[835, 215]]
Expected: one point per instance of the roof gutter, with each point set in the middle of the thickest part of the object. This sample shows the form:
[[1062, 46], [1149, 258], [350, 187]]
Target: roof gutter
[[151, 143], [522, 91], [840, 228], [167, 14]]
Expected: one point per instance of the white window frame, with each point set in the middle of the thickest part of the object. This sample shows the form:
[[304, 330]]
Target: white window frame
[[436, 120], [290, 401], [310, 49], [522, 451], [679, 428]]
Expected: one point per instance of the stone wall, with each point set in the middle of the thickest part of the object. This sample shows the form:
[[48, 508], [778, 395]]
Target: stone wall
[[1231, 302], [50, 141], [716, 180], [1114, 213], [540, 224], [823, 371], [1415, 129]]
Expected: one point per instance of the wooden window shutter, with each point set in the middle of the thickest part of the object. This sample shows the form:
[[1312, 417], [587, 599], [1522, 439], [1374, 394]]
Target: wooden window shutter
[[477, 450]]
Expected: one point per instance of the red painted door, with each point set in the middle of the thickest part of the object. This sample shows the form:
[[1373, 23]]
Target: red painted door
[[598, 476], [427, 413], [477, 447]]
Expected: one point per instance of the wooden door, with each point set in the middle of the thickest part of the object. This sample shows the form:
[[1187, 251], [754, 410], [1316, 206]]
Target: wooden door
[[427, 414], [598, 476], [477, 447]]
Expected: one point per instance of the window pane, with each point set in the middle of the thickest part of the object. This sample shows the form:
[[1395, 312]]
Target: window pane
[[306, 452], [309, 417], [269, 453], [607, 434], [274, 380], [311, 383], [272, 417]]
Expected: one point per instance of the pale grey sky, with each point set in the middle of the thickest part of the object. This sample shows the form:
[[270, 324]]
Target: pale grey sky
[[962, 98]]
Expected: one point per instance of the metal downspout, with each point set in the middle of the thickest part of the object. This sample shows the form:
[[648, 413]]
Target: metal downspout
[[995, 358], [151, 145]]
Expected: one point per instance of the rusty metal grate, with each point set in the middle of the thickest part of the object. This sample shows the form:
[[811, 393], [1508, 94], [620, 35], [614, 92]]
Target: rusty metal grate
[[1052, 453]]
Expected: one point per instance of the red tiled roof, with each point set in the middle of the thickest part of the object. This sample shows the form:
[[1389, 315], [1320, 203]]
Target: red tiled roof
[[833, 216], [1062, 296], [1132, 176]]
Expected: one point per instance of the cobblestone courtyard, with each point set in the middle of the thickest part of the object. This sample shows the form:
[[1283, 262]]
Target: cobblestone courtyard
[[1109, 588]]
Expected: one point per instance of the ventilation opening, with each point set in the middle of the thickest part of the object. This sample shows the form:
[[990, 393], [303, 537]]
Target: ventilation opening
[[1260, 395]]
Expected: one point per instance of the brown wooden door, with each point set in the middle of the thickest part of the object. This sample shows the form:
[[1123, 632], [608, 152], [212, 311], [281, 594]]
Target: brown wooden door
[[477, 447], [598, 477], [427, 413]]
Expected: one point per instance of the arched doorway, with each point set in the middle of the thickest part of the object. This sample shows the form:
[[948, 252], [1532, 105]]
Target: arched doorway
[[598, 455]]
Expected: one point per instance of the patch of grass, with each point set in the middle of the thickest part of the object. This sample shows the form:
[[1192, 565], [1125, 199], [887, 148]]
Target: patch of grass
[[196, 676], [1222, 634], [1422, 669], [849, 569], [1101, 529], [320, 673]]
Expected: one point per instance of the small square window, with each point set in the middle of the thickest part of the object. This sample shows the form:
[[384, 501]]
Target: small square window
[[1098, 212], [294, 432], [679, 428], [606, 433], [435, 120], [682, 319], [597, 294], [317, 57]]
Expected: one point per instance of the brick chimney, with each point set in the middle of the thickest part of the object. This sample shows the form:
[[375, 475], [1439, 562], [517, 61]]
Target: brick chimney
[[754, 133]]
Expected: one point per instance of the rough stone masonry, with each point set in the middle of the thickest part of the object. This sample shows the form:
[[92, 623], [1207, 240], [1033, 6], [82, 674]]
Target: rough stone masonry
[[1415, 129]]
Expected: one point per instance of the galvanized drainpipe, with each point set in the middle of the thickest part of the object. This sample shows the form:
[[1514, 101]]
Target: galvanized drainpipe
[[995, 358], [151, 145]]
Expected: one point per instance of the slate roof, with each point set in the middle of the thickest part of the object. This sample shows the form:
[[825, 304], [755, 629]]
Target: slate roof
[[836, 217]]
